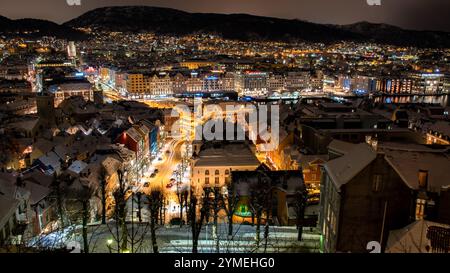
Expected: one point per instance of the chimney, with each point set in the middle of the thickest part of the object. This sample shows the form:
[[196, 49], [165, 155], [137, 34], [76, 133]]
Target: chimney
[[423, 179]]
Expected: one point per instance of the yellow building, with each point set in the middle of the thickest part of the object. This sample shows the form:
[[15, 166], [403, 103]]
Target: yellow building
[[197, 64], [137, 83]]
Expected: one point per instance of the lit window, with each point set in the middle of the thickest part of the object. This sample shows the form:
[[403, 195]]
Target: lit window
[[420, 209]]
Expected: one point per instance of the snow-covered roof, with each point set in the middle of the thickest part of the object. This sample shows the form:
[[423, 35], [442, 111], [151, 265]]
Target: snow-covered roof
[[341, 147], [111, 165], [228, 155], [61, 150], [408, 163], [77, 166], [7, 184], [43, 145], [7, 208], [51, 160], [341, 170], [307, 160], [26, 125], [134, 134], [37, 192], [412, 238]]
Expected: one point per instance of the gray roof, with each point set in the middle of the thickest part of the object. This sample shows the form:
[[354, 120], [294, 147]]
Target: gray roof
[[7, 208], [229, 155], [77, 166], [412, 238], [37, 192], [408, 163], [341, 170], [134, 134], [51, 159], [341, 147]]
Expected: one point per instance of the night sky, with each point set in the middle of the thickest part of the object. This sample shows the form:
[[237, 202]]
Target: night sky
[[410, 14]]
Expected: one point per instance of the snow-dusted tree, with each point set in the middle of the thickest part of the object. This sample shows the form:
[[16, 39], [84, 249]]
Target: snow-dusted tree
[[102, 180], [259, 201], [120, 211], [197, 222], [155, 199], [301, 199], [229, 203]]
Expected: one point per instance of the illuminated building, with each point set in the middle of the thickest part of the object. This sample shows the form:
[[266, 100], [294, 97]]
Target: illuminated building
[[71, 50], [395, 85], [212, 83], [71, 88], [317, 81], [428, 83], [344, 83], [104, 74], [298, 81], [276, 83], [53, 64], [196, 64], [160, 86], [438, 133], [178, 84], [363, 84], [252, 83], [156, 85], [136, 84], [228, 82], [194, 84], [213, 166]]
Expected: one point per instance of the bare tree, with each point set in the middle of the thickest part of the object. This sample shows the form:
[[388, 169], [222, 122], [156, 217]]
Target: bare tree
[[230, 204], [139, 206], [301, 199], [182, 195], [102, 178], [77, 195], [216, 207], [162, 214], [268, 213], [259, 200], [154, 203], [197, 222], [120, 211], [182, 191], [56, 195]]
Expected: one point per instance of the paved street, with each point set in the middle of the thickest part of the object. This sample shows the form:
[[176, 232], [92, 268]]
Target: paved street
[[175, 239]]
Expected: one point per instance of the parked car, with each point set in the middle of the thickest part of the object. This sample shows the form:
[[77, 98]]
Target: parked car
[[146, 185]]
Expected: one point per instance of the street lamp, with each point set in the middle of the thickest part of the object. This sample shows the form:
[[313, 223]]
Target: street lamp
[[108, 244]]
